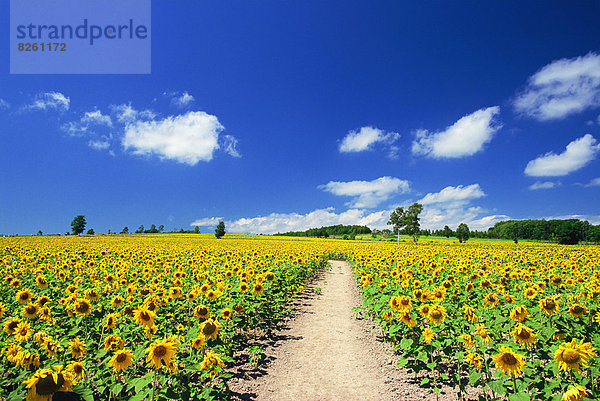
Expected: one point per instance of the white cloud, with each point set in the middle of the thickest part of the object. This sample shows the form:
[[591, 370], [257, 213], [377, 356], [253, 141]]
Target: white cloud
[[4, 104], [562, 88], [182, 100], [99, 144], [230, 145], [465, 137], [542, 185], [454, 196], [595, 182], [358, 141], [96, 117], [577, 154], [50, 100], [591, 218], [367, 194], [283, 222], [207, 222], [187, 138], [126, 114]]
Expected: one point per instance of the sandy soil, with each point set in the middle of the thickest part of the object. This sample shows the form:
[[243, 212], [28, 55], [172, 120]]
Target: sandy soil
[[327, 351]]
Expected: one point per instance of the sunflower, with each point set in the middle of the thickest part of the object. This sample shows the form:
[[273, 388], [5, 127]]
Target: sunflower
[[121, 360], [394, 302], [113, 343], [407, 318], [577, 310], [41, 281], [24, 297], [549, 306], [575, 393], [404, 303], [508, 361], [45, 382], [226, 313], [570, 356], [243, 287], [475, 360], [117, 301], [28, 360], [77, 348], [597, 317], [437, 314], [467, 341], [470, 314], [201, 312], [428, 335], [424, 310], [198, 342], [82, 306], [112, 319], [530, 293], [519, 313], [11, 325], [159, 352], [23, 332], [13, 353], [211, 361], [210, 329], [2, 310], [523, 335], [30, 311], [258, 288], [144, 317], [92, 295], [76, 369], [483, 332]]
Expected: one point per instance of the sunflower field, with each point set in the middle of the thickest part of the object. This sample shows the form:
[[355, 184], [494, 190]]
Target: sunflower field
[[138, 317], [520, 321], [158, 317]]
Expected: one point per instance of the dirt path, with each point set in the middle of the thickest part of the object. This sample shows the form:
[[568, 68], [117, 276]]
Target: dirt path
[[326, 353]]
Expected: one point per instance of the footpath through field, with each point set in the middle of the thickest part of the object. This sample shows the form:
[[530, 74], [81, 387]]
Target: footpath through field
[[326, 353]]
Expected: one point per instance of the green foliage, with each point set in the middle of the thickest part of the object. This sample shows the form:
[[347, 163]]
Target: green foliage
[[125, 230], [90, 231], [328, 231], [462, 232], [407, 220], [78, 224], [220, 230], [567, 232]]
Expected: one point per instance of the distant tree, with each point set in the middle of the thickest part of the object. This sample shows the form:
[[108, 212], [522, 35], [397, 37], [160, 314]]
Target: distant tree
[[125, 230], [90, 231], [40, 232], [407, 219], [197, 230], [78, 224], [152, 229], [462, 232], [220, 230], [161, 228], [140, 229], [447, 232], [109, 231]]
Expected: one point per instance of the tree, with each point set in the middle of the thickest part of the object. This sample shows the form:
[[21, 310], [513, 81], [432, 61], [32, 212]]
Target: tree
[[140, 229], [447, 232], [161, 228], [407, 219], [78, 224], [152, 229], [197, 230], [125, 230], [462, 232], [90, 231], [40, 232], [220, 230]]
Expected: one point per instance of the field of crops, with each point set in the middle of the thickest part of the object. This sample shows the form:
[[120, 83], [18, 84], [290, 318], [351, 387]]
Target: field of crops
[[158, 317]]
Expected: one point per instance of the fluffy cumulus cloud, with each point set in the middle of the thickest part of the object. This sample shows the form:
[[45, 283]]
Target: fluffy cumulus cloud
[[283, 222], [50, 101], [595, 182], [182, 100], [88, 123], [465, 137], [562, 88], [454, 196], [188, 138], [367, 194], [365, 138], [126, 114], [542, 185], [577, 154]]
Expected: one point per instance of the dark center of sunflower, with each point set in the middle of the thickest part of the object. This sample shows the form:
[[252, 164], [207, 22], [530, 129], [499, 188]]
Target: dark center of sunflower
[[12, 326], [47, 386], [209, 329], [78, 369], [509, 359], [203, 311], [405, 302], [523, 334], [145, 316], [122, 357], [31, 310], [571, 355], [24, 296], [577, 310], [550, 304], [160, 351], [436, 314], [23, 331], [82, 307]]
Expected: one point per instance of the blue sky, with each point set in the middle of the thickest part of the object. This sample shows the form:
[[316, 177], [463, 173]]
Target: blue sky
[[278, 116]]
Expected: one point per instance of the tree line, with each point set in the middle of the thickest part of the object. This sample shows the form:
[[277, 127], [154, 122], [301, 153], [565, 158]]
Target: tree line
[[328, 231]]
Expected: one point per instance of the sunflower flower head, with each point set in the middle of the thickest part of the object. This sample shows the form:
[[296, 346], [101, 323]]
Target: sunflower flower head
[[161, 351], [509, 362], [46, 382], [572, 355], [574, 393], [211, 362], [121, 360]]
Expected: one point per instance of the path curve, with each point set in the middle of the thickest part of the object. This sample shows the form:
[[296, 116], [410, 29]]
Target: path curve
[[326, 353]]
